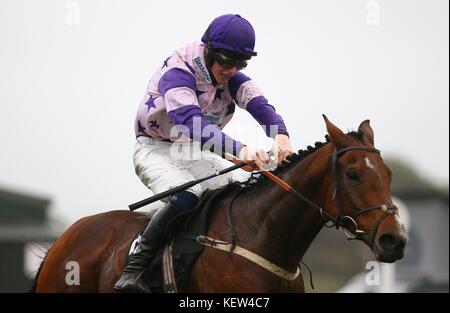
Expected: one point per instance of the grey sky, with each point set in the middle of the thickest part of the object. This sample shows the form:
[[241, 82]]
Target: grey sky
[[73, 72]]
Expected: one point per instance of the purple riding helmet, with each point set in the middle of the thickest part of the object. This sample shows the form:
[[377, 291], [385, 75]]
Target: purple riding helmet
[[232, 33]]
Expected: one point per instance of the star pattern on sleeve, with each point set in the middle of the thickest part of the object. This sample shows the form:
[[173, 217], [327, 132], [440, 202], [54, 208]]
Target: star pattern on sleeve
[[165, 62], [141, 129], [154, 124], [150, 103]]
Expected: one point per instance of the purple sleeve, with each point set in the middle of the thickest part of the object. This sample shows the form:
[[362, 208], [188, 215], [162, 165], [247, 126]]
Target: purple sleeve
[[174, 78], [202, 131], [266, 116], [235, 82]]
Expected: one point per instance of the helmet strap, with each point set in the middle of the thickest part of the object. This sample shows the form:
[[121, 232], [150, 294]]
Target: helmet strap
[[209, 55], [209, 61]]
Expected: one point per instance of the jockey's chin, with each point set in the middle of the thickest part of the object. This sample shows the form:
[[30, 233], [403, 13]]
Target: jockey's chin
[[222, 75]]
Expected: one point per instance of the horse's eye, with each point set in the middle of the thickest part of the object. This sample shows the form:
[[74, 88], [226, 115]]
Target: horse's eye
[[352, 176]]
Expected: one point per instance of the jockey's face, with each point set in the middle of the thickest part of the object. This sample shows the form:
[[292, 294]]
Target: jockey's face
[[226, 65], [221, 74]]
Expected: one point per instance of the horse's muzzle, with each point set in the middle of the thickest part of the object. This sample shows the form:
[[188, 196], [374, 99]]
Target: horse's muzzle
[[390, 247]]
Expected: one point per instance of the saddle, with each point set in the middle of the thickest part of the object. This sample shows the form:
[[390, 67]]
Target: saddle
[[171, 267]]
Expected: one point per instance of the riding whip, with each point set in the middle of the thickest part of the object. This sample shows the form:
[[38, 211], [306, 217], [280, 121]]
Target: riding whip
[[185, 186]]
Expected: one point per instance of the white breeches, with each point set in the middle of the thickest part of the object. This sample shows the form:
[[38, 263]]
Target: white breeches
[[163, 165]]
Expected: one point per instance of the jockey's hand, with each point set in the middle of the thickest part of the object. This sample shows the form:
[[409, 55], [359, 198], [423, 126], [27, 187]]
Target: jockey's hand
[[281, 147], [255, 156]]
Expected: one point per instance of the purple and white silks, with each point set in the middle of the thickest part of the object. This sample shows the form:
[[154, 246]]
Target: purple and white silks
[[181, 94]]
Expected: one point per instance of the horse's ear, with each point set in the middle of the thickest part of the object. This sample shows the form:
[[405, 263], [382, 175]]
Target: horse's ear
[[366, 132], [336, 135]]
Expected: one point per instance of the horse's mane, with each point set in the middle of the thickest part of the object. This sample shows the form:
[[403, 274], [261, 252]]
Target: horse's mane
[[293, 159]]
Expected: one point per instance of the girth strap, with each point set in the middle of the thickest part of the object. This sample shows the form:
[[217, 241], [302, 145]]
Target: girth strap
[[264, 263]]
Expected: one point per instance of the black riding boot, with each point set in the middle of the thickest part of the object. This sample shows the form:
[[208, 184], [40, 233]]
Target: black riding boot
[[153, 238]]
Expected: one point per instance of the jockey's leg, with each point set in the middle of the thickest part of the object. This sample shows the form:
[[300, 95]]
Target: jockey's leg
[[160, 168], [153, 238]]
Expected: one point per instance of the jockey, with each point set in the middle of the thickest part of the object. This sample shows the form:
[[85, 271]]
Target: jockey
[[188, 101]]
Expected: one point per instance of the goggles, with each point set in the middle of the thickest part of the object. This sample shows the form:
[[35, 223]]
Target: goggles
[[227, 62]]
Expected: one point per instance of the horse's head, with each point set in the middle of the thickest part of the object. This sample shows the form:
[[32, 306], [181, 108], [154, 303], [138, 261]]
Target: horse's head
[[360, 198]]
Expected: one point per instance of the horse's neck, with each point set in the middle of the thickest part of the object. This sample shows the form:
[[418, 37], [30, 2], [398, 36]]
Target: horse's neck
[[283, 226]]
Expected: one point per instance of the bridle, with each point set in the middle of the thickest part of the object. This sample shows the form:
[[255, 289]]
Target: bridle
[[346, 222]]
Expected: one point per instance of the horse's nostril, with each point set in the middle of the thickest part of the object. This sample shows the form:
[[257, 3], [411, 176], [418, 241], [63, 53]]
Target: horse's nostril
[[387, 242], [401, 243]]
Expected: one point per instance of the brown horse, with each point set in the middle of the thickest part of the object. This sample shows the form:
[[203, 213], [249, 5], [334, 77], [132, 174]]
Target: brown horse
[[345, 176]]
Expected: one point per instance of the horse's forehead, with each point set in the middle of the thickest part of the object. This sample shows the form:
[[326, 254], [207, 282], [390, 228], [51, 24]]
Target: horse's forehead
[[370, 164], [373, 166], [369, 160]]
